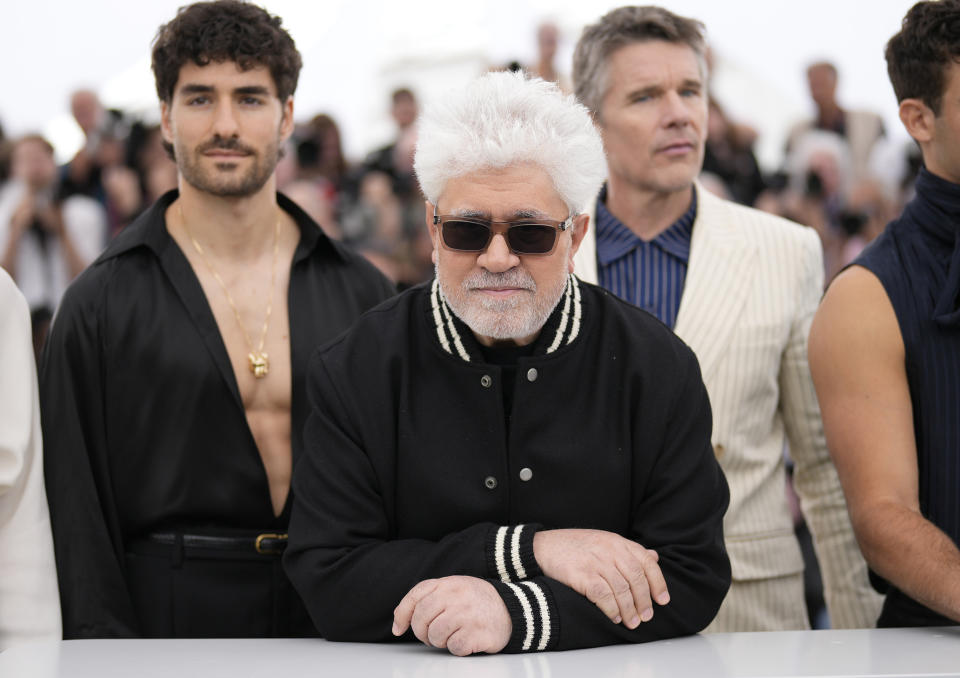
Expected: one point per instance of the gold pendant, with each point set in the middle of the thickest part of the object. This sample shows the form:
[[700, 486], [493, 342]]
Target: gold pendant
[[259, 364]]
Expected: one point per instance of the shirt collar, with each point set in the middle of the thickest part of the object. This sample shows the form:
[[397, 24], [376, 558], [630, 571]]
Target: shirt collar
[[615, 240], [150, 230]]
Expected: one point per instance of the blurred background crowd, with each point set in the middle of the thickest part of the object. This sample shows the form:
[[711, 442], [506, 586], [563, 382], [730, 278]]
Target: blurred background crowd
[[839, 174], [68, 186]]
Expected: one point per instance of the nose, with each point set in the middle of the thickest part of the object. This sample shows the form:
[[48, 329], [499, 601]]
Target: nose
[[498, 257], [224, 121], [676, 109]]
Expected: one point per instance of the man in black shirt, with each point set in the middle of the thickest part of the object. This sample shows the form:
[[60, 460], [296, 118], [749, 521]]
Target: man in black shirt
[[172, 385], [508, 459]]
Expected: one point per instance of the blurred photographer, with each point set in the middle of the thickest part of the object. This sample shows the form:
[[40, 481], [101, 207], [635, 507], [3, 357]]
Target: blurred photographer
[[44, 242], [100, 169]]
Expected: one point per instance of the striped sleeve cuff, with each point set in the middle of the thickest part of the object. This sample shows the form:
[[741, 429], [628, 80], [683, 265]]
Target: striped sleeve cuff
[[533, 613], [510, 553]]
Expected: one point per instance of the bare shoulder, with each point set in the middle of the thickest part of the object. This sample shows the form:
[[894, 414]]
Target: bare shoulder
[[857, 362], [856, 321]]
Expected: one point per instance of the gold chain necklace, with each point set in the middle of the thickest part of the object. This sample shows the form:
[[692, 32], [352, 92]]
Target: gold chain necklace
[[258, 361]]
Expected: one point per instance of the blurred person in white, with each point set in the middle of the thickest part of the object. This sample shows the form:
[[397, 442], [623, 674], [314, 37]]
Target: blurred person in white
[[45, 242], [860, 130], [29, 602], [740, 288]]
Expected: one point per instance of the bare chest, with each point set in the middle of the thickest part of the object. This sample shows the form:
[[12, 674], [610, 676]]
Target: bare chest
[[249, 305]]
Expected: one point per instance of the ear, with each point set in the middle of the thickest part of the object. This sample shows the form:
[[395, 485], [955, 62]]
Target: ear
[[918, 118], [581, 224], [166, 129], [432, 228], [286, 122]]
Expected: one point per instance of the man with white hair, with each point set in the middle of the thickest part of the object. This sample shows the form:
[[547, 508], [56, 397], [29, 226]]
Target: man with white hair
[[461, 431]]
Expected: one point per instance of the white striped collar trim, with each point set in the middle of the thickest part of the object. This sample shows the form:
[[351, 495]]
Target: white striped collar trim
[[567, 330]]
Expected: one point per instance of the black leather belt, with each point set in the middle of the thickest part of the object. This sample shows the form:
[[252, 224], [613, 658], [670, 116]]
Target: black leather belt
[[266, 543]]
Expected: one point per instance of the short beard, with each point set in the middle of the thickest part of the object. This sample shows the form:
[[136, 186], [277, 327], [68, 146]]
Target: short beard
[[228, 185], [502, 319]]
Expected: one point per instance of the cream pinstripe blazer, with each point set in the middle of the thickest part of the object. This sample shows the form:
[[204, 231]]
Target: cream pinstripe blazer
[[753, 284]]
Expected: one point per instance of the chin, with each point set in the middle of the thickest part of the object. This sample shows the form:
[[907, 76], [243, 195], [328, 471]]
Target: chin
[[675, 179]]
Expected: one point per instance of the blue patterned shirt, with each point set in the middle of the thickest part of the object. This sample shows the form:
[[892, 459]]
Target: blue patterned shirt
[[647, 274]]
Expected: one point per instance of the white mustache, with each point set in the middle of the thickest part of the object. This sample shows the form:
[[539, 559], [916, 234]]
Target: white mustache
[[515, 277]]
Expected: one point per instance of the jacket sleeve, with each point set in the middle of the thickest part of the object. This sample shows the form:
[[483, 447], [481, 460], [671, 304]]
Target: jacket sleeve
[[29, 606], [352, 574], [343, 557], [850, 599], [94, 598], [678, 512]]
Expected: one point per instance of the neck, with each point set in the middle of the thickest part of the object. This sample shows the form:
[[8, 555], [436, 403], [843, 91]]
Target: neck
[[235, 227], [646, 213], [491, 342]]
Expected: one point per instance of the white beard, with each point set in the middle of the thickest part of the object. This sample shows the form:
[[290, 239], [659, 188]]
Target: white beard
[[519, 316]]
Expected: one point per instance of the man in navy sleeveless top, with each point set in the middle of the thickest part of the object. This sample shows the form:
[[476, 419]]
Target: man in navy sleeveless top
[[885, 349]]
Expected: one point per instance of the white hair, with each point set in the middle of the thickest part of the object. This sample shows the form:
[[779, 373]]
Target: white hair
[[504, 119]]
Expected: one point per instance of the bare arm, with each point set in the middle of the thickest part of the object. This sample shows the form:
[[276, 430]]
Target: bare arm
[[858, 365]]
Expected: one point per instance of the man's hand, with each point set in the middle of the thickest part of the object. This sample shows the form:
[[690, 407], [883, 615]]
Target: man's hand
[[616, 574], [462, 614]]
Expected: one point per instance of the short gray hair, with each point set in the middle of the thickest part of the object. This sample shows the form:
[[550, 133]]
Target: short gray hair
[[621, 27], [504, 119]]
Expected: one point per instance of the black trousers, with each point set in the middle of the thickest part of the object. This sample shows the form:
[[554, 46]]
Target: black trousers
[[184, 591]]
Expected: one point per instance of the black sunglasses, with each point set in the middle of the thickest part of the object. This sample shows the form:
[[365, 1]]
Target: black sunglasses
[[524, 236]]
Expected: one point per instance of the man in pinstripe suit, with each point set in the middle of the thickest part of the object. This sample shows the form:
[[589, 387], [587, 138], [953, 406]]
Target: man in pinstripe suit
[[740, 287]]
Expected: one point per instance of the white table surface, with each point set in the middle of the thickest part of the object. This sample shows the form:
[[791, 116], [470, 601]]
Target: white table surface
[[875, 652]]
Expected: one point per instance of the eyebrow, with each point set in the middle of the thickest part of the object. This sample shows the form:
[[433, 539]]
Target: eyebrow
[[259, 90], [253, 89], [517, 214], [195, 89], [648, 90], [658, 89]]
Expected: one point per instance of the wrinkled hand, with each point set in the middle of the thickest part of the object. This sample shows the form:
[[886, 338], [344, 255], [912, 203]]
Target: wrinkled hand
[[616, 574], [462, 614]]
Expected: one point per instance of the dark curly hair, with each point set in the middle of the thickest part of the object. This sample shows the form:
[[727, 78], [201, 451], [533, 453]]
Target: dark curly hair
[[919, 55], [225, 30]]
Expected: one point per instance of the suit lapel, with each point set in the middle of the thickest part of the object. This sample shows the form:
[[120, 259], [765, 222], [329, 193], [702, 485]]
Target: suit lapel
[[718, 280]]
